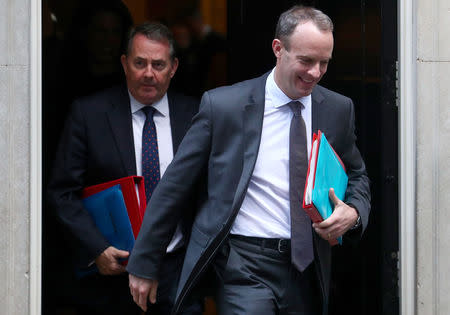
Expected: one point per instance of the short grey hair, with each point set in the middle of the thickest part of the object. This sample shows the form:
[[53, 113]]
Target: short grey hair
[[153, 31], [299, 14]]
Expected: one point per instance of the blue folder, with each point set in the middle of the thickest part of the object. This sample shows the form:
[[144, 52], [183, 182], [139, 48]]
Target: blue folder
[[330, 173], [110, 215]]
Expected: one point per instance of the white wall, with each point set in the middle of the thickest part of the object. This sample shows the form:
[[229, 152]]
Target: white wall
[[433, 157], [14, 156]]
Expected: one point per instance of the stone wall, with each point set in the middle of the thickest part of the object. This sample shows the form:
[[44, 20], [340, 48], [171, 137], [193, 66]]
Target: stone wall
[[14, 156], [433, 157]]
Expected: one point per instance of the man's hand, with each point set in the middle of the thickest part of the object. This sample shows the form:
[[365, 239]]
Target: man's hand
[[142, 290], [340, 221], [107, 262]]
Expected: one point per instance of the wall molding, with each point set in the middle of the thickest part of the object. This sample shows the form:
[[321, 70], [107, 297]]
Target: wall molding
[[35, 258], [407, 163]]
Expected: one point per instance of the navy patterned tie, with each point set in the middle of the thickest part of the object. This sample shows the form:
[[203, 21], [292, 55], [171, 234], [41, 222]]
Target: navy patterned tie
[[150, 157], [301, 234]]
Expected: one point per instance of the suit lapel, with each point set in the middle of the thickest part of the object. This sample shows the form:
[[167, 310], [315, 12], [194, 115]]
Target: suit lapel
[[122, 129], [253, 114], [177, 115], [318, 116]]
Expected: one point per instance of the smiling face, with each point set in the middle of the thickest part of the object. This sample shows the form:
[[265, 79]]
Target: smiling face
[[301, 67], [148, 69]]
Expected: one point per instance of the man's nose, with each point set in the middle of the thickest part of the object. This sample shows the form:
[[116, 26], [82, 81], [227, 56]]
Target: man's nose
[[315, 70], [148, 73]]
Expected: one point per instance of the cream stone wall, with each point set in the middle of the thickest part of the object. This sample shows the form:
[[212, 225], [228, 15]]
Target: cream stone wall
[[433, 157], [14, 156]]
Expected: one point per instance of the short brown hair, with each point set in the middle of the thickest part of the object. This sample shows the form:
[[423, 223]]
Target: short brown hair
[[296, 15]]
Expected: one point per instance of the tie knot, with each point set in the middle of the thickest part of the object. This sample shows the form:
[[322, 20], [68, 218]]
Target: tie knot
[[149, 111], [296, 107]]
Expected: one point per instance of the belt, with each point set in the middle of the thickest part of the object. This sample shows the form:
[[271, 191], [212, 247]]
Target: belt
[[282, 245]]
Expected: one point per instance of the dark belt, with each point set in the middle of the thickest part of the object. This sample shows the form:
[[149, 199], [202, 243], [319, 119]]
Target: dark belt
[[280, 244]]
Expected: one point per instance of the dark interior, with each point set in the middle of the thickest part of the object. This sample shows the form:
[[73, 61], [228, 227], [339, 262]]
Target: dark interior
[[365, 275]]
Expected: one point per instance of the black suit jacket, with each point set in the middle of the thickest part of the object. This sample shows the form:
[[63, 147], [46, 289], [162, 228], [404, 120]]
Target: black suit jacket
[[224, 141], [97, 146]]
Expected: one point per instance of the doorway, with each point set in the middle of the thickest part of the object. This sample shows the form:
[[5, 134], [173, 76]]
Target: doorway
[[364, 68]]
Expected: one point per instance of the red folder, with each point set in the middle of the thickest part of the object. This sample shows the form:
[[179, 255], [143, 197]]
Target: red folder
[[310, 209], [135, 201], [315, 205]]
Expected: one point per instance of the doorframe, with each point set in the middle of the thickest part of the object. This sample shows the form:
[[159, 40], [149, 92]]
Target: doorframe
[[407, 165], [35, 258], [407, 18]]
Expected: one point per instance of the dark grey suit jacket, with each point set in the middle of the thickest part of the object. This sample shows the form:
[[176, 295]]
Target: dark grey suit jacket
[[223, 142], [97, 146]]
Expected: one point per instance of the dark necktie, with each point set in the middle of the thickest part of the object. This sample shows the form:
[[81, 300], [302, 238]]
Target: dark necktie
[[150, 157], [301, 234]]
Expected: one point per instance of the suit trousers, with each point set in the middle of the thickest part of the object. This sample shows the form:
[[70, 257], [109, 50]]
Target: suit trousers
[[110, 295], [104, 295], [255, 279], [167, 288]]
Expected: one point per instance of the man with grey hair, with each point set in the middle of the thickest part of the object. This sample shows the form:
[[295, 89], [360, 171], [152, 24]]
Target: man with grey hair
[[123, 131], [252, 139]]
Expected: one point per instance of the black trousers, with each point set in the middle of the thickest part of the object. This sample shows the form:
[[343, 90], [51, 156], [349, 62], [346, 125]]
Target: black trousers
[[110, 295], [104, 295], [254, 278], [167, 288]]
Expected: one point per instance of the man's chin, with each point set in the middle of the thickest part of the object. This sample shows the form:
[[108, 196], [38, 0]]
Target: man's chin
[[305, 91], [147, 89], [147, 99]]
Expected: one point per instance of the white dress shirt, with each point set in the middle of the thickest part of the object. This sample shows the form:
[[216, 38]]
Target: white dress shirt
[[265, 211], [161, 119]]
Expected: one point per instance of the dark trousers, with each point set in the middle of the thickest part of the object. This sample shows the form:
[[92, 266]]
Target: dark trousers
[[108, 295], [167, 288], [256, 279]]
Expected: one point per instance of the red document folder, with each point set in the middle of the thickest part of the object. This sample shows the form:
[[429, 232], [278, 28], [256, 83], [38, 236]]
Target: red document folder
[[135, 201], [325, 171]]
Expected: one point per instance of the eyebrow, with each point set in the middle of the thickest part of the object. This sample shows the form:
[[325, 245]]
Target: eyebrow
[[153, 60], [310, 58]]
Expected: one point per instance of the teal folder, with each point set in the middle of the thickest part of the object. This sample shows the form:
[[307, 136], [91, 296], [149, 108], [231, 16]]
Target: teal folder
[[326, 171]]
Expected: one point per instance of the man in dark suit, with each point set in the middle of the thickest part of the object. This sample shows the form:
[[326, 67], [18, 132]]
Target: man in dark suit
[[252, 139], [110, 135]]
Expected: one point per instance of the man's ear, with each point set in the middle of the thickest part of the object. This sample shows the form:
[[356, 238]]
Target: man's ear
[[277, 45], [174, 67], [123, 61]]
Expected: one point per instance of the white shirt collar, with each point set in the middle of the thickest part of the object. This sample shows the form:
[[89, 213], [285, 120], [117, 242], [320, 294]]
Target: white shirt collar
[[278, 97], [161, 106]]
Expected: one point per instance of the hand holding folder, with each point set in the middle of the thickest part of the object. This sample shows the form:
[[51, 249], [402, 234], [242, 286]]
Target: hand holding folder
[[107, 209], [325, 171], [117, 208]]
